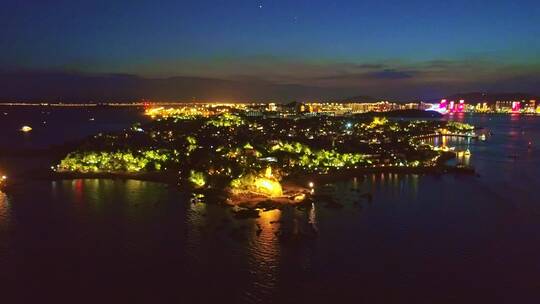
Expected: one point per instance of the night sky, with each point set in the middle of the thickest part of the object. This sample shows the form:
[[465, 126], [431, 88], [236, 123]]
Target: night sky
[[396, 49]]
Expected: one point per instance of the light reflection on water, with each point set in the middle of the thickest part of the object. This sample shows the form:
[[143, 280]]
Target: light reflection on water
[[5, 221], [460, 145], [423, 239], [264, 255], [4, 208], [5, 226]]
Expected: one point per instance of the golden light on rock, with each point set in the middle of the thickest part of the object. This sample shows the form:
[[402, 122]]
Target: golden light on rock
[[268, 172], [300, 197], [268, 187], [262, 183]]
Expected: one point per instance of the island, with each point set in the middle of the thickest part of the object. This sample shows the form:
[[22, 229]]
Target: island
[[254, 162]]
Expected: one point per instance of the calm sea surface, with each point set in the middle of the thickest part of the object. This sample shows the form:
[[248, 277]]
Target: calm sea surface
[[423, 239]]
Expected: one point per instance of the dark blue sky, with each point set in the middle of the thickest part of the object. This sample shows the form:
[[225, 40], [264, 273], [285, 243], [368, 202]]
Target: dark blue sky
[[389, 48]]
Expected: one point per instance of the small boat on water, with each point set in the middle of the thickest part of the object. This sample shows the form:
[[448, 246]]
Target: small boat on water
[[464, 153], [196, 198], [446, 148]]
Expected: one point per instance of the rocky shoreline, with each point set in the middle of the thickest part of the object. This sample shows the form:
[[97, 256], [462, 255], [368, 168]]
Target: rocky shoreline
[[296, 189]]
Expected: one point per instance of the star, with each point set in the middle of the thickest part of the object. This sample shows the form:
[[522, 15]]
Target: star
[[260, 6]]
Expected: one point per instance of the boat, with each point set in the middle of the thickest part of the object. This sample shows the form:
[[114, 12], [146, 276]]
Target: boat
[[447, 149]]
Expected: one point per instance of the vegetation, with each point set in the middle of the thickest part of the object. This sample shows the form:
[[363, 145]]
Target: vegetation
[[118, 161], [198, 179], [229, 150]]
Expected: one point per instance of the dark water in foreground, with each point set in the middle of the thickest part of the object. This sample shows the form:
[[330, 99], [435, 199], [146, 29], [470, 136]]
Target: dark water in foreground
[[423, 239]]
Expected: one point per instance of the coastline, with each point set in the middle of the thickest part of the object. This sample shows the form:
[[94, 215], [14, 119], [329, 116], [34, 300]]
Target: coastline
[[350, 173], [160, 177], [296, 188], [298, 180]]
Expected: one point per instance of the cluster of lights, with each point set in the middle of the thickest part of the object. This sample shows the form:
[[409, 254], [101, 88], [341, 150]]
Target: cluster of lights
[[206, 151], [119, 161], [502, 106], [262, 183]]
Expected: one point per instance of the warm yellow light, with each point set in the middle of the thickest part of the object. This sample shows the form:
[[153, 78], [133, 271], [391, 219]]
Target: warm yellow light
[[269, 187], [377, 121], [300, 197], [197, 179], [268, 172], [26, 129], [311, 184]]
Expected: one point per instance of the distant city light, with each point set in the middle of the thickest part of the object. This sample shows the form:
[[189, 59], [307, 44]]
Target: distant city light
[[516, 106]]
